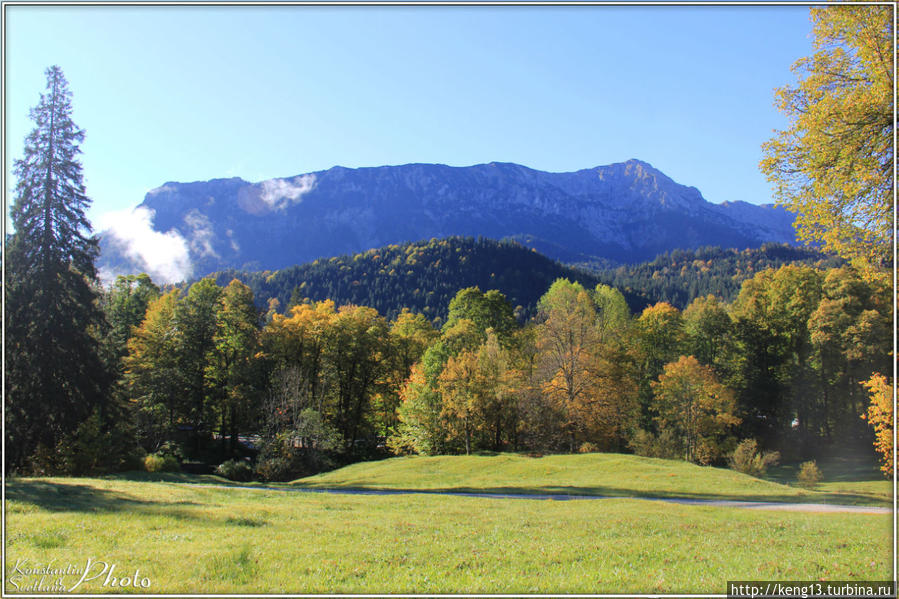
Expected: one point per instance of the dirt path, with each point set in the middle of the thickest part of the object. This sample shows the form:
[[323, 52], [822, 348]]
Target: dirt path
[[752, 505]]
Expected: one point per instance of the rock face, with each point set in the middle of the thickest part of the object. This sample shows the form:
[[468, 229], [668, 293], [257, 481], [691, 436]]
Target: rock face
[[625, 212]]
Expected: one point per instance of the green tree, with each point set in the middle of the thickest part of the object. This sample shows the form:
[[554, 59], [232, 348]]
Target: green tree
[[54, 374], [356, 363], [488, 310], [833, 165], [779, 385], [232, 368], [707, 329], [410, 336], [850, 337], [195, 322], [659, 339], [613, 317], [421, 427], [125, 305]]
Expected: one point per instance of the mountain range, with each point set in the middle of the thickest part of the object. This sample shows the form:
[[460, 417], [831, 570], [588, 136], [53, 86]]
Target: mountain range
[[620, 213]]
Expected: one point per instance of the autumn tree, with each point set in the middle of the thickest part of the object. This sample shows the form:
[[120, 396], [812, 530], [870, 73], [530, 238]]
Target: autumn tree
[[696, 408], [153, 379], [409, 336], [566, 340], [54, 374], [833, 165], [539, 423], [459, 391], [850, 333], [497, 384], [299, 339], [476, 390], [880, 416], [125, 306], [423, 422]]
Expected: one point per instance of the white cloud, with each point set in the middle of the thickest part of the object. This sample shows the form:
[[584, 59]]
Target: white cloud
[[201, 239], [234, 245], [278, 193], [164, 256], [162, 189]]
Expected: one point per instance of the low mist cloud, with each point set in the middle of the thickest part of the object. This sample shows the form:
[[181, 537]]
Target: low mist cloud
[[164, 256], [202, 235], [279, 193]]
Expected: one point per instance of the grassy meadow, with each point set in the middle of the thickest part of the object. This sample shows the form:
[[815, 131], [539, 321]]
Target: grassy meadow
[[189, 538], [606, 474]]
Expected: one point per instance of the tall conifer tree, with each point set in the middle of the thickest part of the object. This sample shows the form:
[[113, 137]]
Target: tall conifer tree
[[54, 376]]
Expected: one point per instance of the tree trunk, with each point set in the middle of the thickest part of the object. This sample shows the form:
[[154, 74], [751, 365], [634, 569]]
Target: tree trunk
[[233, 429], [467, 438], [222, 433]]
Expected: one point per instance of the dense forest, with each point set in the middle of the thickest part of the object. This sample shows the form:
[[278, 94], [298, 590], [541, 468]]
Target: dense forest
[[680, 276], [424, 276], [207, 377]]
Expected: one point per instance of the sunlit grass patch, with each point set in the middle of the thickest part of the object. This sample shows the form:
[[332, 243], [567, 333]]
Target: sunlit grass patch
[[615, 475], [189, 539]]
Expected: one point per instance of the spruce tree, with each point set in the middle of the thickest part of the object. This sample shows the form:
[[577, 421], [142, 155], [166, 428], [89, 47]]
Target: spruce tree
[[54, 375]]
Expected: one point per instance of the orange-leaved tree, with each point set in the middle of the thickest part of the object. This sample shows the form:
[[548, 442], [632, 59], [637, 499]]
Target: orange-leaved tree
[[695, 407], [880, 416]]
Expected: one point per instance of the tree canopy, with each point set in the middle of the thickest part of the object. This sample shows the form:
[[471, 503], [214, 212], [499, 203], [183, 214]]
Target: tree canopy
[[833, 165]]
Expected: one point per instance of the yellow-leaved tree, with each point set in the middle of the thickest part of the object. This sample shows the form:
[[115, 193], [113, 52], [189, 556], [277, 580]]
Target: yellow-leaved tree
[[697, 409], [833, 165], [880, 416]]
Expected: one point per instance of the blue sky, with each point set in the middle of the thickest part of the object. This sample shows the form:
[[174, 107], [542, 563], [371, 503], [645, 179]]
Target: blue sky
[[193, 93]]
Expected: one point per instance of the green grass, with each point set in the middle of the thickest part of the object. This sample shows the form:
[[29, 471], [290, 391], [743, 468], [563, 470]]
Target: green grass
[[590, 474], [188, 538]]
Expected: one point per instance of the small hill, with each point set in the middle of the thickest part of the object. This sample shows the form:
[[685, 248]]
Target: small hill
[[584, 474], [422, 276]]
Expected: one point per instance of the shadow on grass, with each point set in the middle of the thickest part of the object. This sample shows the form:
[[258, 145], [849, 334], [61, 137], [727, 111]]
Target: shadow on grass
[[607, 492], [75, 497], [851, 464], [165, 477]]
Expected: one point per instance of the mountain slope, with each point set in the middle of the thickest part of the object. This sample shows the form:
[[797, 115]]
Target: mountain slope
[[421, 276], [625, 212], [424, 276]]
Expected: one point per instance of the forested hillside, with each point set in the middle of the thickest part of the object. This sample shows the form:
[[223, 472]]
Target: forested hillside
[[680, 276], [422, 276]]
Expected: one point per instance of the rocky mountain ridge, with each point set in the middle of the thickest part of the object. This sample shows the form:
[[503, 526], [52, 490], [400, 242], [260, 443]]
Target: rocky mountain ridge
[[625, 212]]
